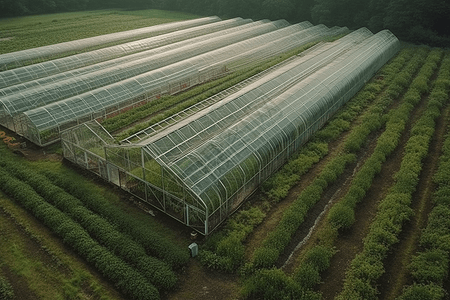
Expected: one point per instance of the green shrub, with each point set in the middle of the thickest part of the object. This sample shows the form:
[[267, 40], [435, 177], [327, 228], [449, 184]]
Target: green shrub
[[430, 266], [265, 257], [341, 216], [366, 267], [357, 288], [307, 276], [395, 208], [215, 262], [152, 240], [320, 256], [271, 284], [128, 280], [423, 292], [103, 231], [6, 290]]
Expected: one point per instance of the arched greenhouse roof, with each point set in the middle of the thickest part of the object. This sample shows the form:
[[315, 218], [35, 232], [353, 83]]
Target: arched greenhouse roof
[[216, 152], [72, 83], [95, 102], [17, 58], [29, 76]]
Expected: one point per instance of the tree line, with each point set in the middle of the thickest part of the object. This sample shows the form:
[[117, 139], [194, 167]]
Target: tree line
[[416, 21]]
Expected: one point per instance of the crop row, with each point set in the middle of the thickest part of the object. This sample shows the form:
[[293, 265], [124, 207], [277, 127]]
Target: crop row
[[342, 214], [155, 242], [430, 266], [125, 278], [156, 271], [367, 267], [277, 186], [317, 259], [293, 217]]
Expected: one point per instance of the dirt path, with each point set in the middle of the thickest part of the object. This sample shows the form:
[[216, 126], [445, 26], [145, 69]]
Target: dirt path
[[201, 284], [289, 259]]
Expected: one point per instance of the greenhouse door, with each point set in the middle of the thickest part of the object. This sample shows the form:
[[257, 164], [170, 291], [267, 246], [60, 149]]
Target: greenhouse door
[[102, 169], [113, 174]]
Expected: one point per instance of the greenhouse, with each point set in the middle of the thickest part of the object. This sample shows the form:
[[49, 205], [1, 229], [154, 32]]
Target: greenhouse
[[11, 60], [86, 62], [40, 109], [199, 166]]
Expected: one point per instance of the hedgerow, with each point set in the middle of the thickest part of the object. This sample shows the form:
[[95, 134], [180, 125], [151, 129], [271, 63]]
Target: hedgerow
[[341, 215], [275, 284], [278, 239]]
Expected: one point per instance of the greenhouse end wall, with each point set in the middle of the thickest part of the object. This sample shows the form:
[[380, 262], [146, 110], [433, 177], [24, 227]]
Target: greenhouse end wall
[[133, 170]]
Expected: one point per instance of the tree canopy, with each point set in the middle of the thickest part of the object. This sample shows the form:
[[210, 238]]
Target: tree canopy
[[417, 21]]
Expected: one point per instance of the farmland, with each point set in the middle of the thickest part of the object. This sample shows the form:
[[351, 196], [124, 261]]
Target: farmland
[[359, 212]]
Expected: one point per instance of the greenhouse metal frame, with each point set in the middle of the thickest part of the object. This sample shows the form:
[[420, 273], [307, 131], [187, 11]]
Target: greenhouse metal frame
[[200, 167]]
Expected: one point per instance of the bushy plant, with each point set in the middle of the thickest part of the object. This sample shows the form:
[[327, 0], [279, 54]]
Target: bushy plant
[[307, 276], [341, 216], [395, 208], [6, 290], [271, 284], [430, 266], [423, 292], [128, 280], [103, 231], [152, 240]]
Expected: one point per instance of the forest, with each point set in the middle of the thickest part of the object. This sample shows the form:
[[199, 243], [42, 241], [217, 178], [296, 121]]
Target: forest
[[416, 21]]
